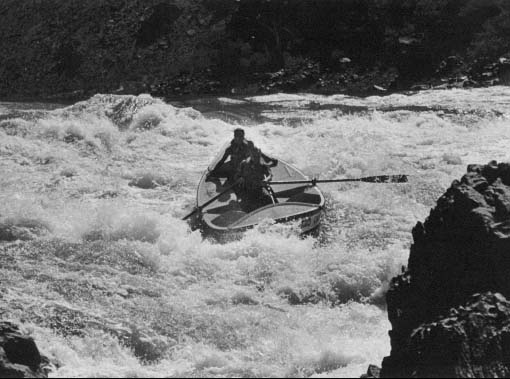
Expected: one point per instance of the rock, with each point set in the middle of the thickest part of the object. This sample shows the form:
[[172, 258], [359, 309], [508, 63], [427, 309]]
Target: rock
[[472, 341], [469, 83], [288, 293], [149, 348], [242, 298], [420, 87], [23, 229], [504, 72], [146, 181], [372, 372], [461, 249], [408, 40], [19, 356]]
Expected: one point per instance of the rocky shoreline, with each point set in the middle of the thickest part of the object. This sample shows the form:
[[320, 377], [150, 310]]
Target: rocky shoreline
[[311, 81], [449, 310], [69, 51]]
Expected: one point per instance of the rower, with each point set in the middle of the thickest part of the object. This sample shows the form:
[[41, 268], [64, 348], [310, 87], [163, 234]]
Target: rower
[[253, 174], [238, 151]]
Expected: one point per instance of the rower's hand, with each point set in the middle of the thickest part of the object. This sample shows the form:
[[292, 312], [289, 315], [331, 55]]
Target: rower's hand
[[274, 162], [210, 174]]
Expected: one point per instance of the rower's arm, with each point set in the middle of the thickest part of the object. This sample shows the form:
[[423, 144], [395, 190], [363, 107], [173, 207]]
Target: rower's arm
[[222, 160], [273, 161]]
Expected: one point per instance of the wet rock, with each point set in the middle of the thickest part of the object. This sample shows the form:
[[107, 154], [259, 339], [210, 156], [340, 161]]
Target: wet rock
[[372, 372], [420, 87], [469, 341], [146, 181], [305, 296], [460, 250], [110, 194], [23, 229], [504, 71], [242, 298], [148, 348], [19, 356]]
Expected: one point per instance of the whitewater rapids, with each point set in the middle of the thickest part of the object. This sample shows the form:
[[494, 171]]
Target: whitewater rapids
[[117, 285]]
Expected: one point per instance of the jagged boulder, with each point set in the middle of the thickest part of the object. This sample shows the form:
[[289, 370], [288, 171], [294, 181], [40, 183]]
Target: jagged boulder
[[372, 372], [19, 356], [461, 249], [471, 341]]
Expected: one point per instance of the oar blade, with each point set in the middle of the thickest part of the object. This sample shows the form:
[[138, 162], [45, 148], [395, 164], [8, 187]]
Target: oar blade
[[401, 179], [385, 179]]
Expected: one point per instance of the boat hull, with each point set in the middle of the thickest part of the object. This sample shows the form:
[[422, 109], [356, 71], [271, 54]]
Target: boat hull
[[228, 218]]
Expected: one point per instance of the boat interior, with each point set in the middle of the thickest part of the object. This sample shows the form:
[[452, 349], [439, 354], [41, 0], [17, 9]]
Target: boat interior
[[286, 200]]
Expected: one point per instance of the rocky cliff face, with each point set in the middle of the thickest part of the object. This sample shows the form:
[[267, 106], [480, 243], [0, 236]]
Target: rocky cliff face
[[19, 356], [462, 249], [54, 46], [471, 341], [181, 47]]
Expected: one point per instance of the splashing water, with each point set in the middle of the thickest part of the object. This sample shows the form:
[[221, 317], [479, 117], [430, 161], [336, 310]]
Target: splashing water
[[111, 282]]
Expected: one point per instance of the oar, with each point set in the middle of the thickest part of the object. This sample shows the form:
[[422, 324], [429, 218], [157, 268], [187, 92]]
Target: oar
[[199, 208], [369, 179]]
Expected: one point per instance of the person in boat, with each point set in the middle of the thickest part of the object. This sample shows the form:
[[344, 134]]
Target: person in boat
[[238, 151], [252, 176]]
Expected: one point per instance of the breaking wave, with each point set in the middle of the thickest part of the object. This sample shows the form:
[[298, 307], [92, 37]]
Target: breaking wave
[[97, 264]]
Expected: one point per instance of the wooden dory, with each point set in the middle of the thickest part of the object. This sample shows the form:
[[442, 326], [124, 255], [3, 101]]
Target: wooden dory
[[225, 217]]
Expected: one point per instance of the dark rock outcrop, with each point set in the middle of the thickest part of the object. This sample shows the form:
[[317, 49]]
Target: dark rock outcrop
[[471, 341], [372, 372], [463, 248], [69, 50], [73, 49], [19, 356]]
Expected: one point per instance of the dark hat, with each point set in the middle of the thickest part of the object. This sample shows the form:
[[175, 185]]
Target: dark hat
[[239, 132]]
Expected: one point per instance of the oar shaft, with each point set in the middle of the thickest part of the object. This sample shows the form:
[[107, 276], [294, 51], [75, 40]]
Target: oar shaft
[[211, 200], [369, 179]]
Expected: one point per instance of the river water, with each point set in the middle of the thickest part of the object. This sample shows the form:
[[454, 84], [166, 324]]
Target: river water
[[120, 286]]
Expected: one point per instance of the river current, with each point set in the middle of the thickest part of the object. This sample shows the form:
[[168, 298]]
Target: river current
[[118, 285]]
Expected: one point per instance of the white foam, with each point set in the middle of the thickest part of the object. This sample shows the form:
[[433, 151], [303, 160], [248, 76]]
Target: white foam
[[81, 185]]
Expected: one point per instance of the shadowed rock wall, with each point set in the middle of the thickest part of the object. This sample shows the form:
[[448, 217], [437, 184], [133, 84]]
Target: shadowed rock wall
[[180, 47], [56, 46], [462, 249]]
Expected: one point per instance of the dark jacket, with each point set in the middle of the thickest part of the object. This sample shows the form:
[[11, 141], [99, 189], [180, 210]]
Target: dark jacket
[[239, 153], [253, 173]]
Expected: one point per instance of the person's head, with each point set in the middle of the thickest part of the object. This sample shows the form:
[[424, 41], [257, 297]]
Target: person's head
[[238, 135]]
